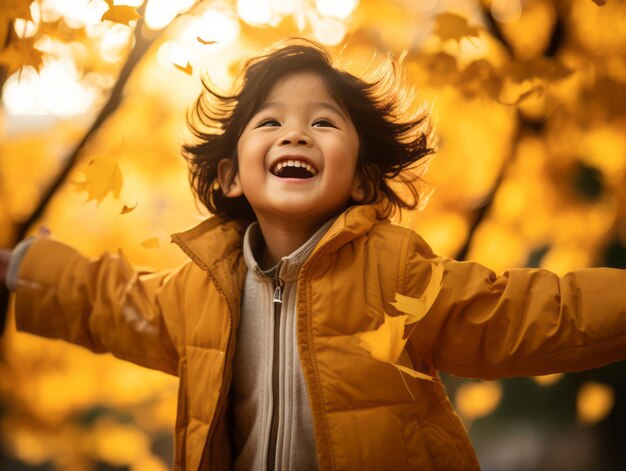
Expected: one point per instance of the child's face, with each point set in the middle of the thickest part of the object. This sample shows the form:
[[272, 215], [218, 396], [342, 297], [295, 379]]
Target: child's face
[[298, 154]]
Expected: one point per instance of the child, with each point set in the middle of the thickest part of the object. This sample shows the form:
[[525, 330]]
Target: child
[[264, 325]]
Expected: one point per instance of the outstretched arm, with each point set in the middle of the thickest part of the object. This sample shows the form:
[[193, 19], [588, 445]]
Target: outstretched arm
[[523, 322], [102, 304]]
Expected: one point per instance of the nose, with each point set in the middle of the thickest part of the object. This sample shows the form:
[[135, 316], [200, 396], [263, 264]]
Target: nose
[[294, 137]]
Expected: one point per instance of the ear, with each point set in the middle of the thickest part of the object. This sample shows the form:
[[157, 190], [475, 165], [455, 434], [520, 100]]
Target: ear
[[365, 184], [225, 175]]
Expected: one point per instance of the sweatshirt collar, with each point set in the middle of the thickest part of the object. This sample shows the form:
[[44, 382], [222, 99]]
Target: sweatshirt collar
[[288, 267]]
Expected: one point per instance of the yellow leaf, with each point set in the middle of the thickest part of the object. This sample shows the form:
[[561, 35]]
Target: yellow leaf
[[540, 67], [122, 14], [188, 69], [415, 374], [537, 89], [204, 41], [416, 308], [12, 9], [61, 31], [128, 209], [102, 176], [386, 342], [453, 26], [151, 243], [443, 69], [20, 53]]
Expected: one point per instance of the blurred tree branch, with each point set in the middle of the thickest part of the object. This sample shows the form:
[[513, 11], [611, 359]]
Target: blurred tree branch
[[142, 44], [4, 71], [523, 123]]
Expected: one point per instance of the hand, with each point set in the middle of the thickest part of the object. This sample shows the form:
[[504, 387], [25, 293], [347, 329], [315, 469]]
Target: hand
[[5, 256]]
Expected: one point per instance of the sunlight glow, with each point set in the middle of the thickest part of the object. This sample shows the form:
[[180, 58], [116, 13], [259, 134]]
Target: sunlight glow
[[77, 13], [478, 399], [594, 402], [160, 13], [286, 7], [173, 52], [506, 11], [548, 380], [56, 90], [255, 12], [336, 8], [214, 25], [18, 96], [27, 29], [114, 43], [329, 31]]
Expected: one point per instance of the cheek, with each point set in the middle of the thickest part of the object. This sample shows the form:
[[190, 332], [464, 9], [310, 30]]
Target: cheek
[[344, 160]]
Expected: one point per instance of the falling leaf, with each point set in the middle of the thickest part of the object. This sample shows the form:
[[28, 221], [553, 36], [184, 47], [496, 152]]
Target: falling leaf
[[385, 343], [455, 27], [102, 176], [128, 209], [188, 69], [415, 374], [204, 41], [122, 14], [20, 53], [151, 243], [416, 308]]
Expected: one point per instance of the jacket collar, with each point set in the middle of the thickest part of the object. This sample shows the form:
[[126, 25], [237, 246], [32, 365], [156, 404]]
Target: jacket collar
[[212, 241], [218, 241]]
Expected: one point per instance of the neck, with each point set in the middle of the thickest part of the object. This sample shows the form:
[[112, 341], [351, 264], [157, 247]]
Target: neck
[[282, 239]]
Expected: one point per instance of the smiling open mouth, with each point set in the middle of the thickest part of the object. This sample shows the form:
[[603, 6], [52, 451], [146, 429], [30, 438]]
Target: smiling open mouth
[[294, 169]]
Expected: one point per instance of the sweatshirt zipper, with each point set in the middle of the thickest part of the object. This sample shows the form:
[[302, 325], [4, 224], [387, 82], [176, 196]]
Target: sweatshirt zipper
[[278, 302]]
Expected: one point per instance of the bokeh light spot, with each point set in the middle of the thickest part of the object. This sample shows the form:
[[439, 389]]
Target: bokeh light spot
[[329, 31], [336, 8]]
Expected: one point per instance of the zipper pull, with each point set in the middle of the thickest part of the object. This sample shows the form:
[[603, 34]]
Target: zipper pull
[[278, 293]]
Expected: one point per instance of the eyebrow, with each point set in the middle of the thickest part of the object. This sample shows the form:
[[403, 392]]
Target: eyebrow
[[317, 104]]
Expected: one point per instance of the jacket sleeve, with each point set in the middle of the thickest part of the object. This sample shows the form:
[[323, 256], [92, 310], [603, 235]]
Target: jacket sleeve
[[523, 322], [101, 304]]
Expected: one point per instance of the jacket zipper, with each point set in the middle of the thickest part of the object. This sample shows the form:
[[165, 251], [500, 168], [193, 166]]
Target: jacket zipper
[[278, 302]]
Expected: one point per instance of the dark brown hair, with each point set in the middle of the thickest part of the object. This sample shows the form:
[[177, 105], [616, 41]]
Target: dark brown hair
[[389, 143]]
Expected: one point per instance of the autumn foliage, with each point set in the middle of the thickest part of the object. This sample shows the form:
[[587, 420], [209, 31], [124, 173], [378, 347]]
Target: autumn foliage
[[528, 99]]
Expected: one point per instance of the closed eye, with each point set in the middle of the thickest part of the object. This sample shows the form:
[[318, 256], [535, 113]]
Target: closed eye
[[324, 123]]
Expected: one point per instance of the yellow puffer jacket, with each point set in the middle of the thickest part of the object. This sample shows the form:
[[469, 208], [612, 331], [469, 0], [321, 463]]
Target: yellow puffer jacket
[[523, 322]]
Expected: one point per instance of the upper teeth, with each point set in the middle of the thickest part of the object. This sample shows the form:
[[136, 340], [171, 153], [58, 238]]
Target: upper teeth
[[294, 163]]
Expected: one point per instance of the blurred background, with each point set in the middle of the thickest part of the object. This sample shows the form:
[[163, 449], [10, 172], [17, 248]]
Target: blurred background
[[528, 99]]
